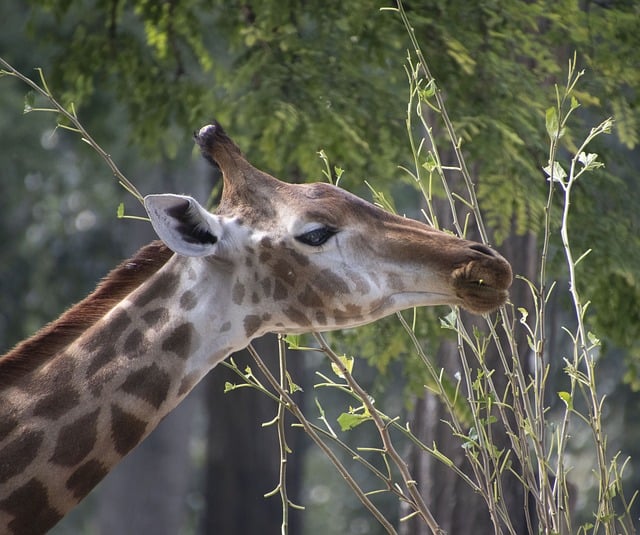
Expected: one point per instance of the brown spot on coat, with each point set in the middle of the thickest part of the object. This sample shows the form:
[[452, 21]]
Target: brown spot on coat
[[264, 257], [163, 287], [135, 345], [188, 300], [283, 270], [328, 283], [187, 383], [57, 403], [310, 298], [29, 505], [158, 315], [237, 293], [362, 285], [126, 430], [266, 287], [301, 259], [279, 291], [297, 316], [395, 281], [103, 335], [101, 378], [19, 453], [251, 324], [321, 317], [85, 477], [150, 384], [76, 440], [105, 355], [8, 423], [55, 377], [182, 341]]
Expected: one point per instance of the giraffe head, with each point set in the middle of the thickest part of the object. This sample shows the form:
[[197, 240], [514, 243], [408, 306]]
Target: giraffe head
[[87, 388], [313, 257]]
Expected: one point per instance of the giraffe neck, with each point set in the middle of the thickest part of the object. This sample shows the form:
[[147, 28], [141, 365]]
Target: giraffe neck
[[67, 422]]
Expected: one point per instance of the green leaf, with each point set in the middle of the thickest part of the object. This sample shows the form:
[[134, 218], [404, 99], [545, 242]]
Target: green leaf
[[490, 420], [293, 341], [524, 313], [566, 397], [556, 172], [29, 102], [293, 387], [595, 341], [589, 160], [449, 321], [472, 440], [120, 211], [380, 199], [349, 420], [347, 362], [430, 163], [574, 103], [552, 124]]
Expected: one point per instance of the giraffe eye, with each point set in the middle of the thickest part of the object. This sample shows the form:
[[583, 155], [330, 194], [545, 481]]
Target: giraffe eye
[[316, 237]]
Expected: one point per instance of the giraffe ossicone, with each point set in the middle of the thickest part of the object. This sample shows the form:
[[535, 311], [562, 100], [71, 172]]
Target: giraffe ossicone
[[274, 257]]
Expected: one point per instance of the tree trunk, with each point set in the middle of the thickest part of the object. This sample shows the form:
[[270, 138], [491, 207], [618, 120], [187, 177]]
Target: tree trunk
[[243, 456], [454, 505]]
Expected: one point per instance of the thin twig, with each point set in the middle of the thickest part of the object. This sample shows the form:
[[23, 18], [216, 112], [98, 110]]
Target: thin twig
[[72, 117], [279, 421], [417, 501], [441, 109], [311, 432]]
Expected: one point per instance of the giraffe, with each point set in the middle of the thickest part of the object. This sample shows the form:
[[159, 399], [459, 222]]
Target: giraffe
[[274, 257]]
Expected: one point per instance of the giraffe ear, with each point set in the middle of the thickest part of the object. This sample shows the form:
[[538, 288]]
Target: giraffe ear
[[183, 224]]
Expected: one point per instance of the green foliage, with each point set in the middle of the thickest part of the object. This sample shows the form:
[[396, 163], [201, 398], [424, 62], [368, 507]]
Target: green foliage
[[618, 317], [498, 62], [290, 82]]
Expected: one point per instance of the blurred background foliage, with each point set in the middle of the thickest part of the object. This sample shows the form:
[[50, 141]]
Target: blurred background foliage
[[288, 79]]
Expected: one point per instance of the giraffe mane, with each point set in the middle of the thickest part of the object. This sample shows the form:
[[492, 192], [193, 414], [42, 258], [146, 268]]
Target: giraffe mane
[[57, 335]]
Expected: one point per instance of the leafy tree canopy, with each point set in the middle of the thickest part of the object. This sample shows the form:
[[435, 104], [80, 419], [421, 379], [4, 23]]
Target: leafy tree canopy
[[289, 81]]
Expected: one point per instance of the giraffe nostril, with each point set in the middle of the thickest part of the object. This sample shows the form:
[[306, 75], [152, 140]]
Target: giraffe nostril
[[483, 249], [488, 266]]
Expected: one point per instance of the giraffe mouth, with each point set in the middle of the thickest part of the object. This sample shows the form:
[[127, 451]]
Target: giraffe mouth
[[480, 298], [482, 284], [404, 300]]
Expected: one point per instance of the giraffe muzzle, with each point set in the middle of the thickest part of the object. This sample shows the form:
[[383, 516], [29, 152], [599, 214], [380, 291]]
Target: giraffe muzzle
[[482, 283]]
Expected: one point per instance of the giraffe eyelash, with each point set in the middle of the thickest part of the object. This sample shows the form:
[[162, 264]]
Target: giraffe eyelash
[[317, 236]]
